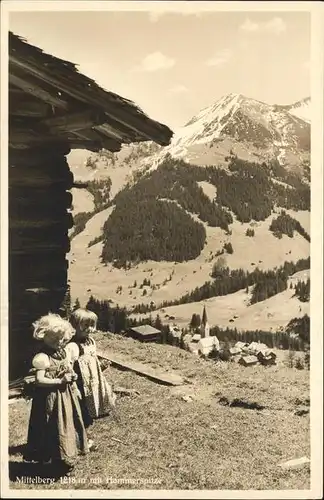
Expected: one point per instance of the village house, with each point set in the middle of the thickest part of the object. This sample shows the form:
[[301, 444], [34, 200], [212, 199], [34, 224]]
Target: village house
[[248, 360], [175, 334], [234, 351], [145, 333], [207, 345], [193, 347], [175, 331], [241, 345], [52, 109], [186, 339], [267, 358], [256, 347]]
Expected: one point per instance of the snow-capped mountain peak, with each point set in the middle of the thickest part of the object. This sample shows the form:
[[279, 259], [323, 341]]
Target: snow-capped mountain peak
[[253, 128], [208, 123]]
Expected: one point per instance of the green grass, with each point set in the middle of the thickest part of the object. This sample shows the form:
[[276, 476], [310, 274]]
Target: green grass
[[190, 445]]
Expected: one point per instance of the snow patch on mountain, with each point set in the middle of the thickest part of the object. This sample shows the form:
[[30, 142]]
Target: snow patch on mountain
[[302, 109], [263, 129]]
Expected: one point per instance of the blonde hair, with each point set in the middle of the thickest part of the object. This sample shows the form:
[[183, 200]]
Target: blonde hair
[[83, 318], [52, 326]]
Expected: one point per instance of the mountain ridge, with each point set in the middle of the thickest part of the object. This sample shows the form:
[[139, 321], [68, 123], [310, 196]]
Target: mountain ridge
[[201, 140]]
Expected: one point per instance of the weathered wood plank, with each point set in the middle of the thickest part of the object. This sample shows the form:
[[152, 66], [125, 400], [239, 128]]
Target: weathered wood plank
[[74, 121], [57, 259], [41, 155], [31, 138], [50, 212], [52, 168], [36, 90], [55, 279], [63, 182], [28, 107], [61, 223], [141, 369], [23, 247], [105, 142], [33, 199]]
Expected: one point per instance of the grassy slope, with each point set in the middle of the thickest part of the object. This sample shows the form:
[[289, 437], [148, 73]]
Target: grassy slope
[[195, 445]]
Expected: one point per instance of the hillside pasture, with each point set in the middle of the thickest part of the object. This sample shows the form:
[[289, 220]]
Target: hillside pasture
[[200, 443]]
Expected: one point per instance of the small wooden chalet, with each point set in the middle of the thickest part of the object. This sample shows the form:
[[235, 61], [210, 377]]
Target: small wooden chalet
[[234, 351], [248, 360], [145, 333], [52, 109], [267, 358]]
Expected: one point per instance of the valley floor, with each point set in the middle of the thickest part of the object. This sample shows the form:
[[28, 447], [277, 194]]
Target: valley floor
[[200, 444]]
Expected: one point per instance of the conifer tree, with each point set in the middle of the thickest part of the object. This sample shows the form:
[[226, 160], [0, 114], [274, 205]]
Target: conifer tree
[[77, 304]]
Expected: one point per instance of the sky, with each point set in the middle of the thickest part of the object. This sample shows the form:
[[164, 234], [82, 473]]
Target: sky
[[174, 64]]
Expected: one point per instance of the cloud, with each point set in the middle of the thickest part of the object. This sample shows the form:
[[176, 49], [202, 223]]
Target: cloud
[[276, 25], [155, 62], [249, 26], [220, 57], [179, 89], [155, 15]]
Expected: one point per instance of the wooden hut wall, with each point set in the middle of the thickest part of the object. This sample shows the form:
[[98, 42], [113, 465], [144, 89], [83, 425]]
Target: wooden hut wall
[[39, 180]]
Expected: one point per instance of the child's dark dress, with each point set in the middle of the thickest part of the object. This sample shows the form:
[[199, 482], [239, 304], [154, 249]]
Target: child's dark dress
[[56, 429], [95, 390]]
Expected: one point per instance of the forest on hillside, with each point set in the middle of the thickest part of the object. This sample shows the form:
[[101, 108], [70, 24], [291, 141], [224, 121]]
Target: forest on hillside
[[285, 224], [151, 229], [245, 189]]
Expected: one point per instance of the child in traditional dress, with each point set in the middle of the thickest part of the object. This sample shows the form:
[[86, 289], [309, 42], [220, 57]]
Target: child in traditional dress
[[56, 430], [98, 397]]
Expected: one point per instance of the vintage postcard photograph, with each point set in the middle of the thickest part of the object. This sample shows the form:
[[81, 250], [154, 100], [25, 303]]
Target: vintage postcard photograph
[[161, 258]]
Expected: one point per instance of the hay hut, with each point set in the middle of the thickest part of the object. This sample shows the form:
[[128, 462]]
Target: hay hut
[[52, 109], [267, 357], [145, 333], [248, 360]]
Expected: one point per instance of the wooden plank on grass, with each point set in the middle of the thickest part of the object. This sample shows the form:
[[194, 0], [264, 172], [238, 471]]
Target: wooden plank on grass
[[142, 369], [295, 463]]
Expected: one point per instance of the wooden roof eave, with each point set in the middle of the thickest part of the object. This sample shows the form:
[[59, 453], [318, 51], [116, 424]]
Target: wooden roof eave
[[132, 118], [36, 90], [71, 122], [100, 121], [106, 142]]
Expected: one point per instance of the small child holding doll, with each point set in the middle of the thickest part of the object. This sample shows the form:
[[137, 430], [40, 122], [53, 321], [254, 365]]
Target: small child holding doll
[[56, 430], [97, 395]]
